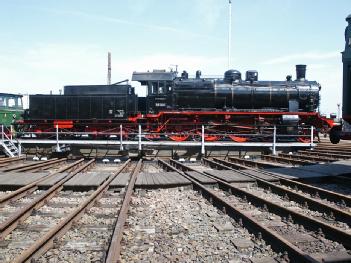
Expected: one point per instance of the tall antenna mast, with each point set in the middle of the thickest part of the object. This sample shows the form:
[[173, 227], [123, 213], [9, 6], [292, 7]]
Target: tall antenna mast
[[109, 68], [229, 32]]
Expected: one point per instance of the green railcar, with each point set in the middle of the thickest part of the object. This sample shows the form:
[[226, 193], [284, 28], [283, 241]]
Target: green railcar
[[11, 108]]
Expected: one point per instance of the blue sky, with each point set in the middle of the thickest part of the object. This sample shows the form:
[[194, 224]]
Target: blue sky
[[48, 44]]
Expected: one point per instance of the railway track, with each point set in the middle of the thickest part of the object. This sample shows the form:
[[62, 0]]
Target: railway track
[[316, 159], [338, 151], [35, 166], [280, 159], [314, 197], [11, 222], [311, 232], [251, 163], [324, 154], [30, 188], [267, 219], [179, 225], [9, 160], [73, 221]]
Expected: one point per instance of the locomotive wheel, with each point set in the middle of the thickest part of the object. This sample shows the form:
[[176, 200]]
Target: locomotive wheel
[[179, 138], [212, 138], [152, 137], [238, 139], [208, 138], [304, 140]]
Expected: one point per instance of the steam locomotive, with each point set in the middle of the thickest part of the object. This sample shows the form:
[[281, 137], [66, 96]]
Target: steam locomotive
[[176, 107]]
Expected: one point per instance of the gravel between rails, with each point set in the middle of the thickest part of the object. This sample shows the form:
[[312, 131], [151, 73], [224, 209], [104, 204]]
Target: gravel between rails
[[308, 241], [11, 207], [336, 205], [177, 225], [37, 223], [87, 240], [150, 167], [277, 199]]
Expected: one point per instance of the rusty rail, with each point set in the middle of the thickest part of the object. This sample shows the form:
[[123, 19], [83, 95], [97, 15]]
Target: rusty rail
[[316, 204], [277, 242], [310, 189], [252, 163], [308, 157], [324, 154], [285, 160], [11, 159], [11, 223], [30, 165], [43, 166], [347, 153], [310, 223], [114, 250], [29, 188], [47, 241]]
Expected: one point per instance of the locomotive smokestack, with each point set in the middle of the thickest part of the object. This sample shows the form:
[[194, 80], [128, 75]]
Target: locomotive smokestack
[[300, 72], [198, 74]]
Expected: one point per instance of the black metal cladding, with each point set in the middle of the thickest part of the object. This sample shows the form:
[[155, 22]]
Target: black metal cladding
[[232, 93], [231, 76], [98, 89], [218, 94], [300, 72], [251, 75], [84, 107]]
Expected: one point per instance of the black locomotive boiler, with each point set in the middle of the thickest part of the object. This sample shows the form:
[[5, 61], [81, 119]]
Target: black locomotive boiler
[[166, 91]]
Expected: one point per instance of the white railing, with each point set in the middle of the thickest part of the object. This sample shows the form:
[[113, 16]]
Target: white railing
[[7, 142], [143, 138]]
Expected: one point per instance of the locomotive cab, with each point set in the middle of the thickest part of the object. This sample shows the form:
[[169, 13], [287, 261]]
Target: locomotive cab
[[11, 108], [159, 85]]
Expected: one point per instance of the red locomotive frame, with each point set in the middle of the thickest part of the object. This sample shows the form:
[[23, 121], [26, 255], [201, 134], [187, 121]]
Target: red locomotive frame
[[184, 125]]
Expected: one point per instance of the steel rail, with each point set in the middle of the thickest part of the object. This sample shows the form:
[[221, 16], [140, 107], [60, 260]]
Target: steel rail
[[276, 241], [347, 153], [31, 187], [114, 250], [332, 155], [336, 150], [312, 190], [308, 157], [47, 241], [252, 163], [341, 148], [331, 232], [27, 165], [11, 223], [316, 204], [285, 160], [11, 159], [43, 166]]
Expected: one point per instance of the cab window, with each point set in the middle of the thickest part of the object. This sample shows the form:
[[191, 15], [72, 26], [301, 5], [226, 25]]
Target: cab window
[[11, 102]]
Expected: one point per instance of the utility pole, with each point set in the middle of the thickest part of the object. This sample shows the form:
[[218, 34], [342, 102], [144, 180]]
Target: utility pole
[[109, 68], [229, 33]]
